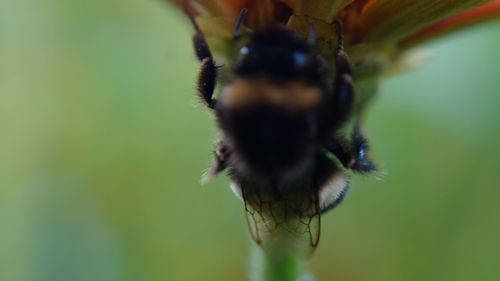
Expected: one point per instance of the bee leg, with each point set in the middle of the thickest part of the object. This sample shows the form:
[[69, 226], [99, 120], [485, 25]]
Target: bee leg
[[220, 159], [239, 22], [208, 71], [344, 94], [355, 155], [311, 36], [206, 82], [339, 147]]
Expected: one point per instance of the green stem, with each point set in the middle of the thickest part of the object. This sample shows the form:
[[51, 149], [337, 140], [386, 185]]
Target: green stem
[[279, 267]]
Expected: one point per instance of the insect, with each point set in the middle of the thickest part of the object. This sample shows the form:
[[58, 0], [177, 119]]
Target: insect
[[281, 112]]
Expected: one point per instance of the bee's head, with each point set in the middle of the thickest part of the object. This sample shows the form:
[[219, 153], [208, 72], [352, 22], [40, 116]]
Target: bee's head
[[281, 55]]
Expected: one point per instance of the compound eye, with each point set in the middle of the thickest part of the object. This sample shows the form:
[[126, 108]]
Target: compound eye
[[300, 59], [244, 51]]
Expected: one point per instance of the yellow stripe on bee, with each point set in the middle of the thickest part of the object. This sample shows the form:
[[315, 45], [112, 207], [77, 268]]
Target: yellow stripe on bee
[[291, 95]]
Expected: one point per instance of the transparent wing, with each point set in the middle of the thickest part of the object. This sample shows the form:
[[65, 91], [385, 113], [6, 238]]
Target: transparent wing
[[281, 225]]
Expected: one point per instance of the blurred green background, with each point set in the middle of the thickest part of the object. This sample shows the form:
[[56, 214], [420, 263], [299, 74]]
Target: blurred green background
[[102, 144]]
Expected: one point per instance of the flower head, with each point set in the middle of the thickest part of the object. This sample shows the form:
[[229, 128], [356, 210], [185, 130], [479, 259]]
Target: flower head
[[377, 32], [375, 35]]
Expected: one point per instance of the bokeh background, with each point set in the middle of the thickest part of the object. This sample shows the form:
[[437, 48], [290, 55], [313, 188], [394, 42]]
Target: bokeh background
[[102, 144]]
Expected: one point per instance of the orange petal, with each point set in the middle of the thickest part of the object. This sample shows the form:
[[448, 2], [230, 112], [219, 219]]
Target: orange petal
[[325, 10], [387, 21], [260, 12], [219, 8], [265, 12], [477, 15]]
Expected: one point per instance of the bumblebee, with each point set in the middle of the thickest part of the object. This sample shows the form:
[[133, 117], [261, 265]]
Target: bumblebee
[[281, 112]]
